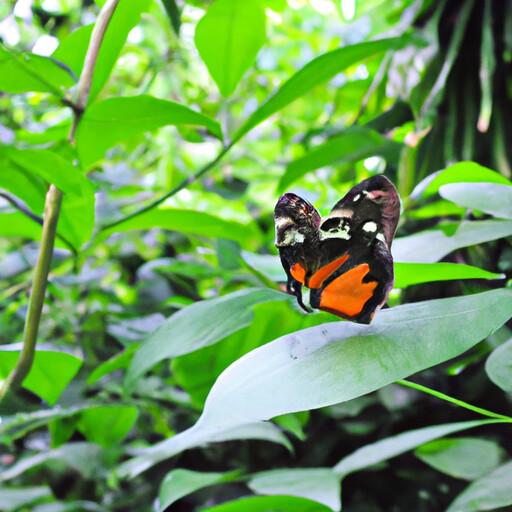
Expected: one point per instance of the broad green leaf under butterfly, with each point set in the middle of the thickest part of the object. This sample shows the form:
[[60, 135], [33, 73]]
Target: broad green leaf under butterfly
[[463, 457], [109, 122], [489, 492], [192, 328], [25, 72], [323, 365], [499, 366], [352, 145], [490, 198], [13, 498], [432, 245], [318, 71], [228, 38], [406, 274], [45, 384], [182, 482], [461, 172], [72, 50]]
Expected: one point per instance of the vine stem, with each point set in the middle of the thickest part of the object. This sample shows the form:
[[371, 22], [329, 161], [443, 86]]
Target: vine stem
[[52, 208], [454, 401]]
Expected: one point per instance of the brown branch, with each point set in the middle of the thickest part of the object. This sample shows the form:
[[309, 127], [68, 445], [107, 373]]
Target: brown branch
[[51, 216]]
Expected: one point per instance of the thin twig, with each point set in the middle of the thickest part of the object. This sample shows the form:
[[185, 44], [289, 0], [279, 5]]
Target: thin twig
[[51, 215], [185, 183]]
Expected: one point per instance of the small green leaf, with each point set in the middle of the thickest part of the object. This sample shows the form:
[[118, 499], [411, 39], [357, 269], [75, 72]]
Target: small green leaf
[[270, 504], [489, 492], [461, 172], [486, 197], [182, 482], [26, 72], [464, 457], [107, 425], [50, 374], [432, 245], [226, 44], [499, 366], [350, 146], [192, 328], [319, 70], [390, 447], [115, 120], [117, 362], [317, 484]]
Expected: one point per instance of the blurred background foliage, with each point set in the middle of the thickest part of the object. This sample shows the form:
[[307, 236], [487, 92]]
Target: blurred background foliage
[[181, 114]]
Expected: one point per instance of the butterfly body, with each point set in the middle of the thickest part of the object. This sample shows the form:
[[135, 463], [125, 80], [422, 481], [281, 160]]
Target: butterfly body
[[344, 259]]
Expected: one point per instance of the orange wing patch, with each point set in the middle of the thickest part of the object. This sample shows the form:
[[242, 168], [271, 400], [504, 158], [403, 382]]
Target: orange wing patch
[[347, 294], [298, 272], [324, 272]]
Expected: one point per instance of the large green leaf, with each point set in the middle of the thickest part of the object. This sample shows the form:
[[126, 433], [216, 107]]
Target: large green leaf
[[463, 457], [192, 328], [51, 371], [26, 72], [48, 165], [487, 197], [461, 172], [194, 437], [490, 492], [385, 449], [72, 50], [107, 425], [318, 71], [499, 366], [432, 245], [353, 144], [17, 224], [270, 504], [182, 482], [317, 484], [406, 274], [115, 120], [226, 43], [324, 365]]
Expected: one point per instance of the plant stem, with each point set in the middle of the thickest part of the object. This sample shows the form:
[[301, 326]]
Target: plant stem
[[185, 183], [454, 401], [51, 215]]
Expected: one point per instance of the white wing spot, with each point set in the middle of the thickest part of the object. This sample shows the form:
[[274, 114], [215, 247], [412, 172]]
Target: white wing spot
[[356, 198], [370, 227], [291, 237], [283, 221], [380, 237]]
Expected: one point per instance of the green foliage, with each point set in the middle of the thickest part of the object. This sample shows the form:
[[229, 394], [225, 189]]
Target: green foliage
[[172, 372]]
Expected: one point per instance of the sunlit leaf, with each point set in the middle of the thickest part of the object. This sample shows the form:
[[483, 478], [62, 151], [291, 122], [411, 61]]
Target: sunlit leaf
[[226, 44], [115, 120], [270, 504], [463, 457], [51, 371], [25, 72], [486, 197], [432, 245], [487, 493]]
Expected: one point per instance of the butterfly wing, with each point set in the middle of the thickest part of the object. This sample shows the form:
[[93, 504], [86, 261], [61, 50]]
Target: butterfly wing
[[360, 228]]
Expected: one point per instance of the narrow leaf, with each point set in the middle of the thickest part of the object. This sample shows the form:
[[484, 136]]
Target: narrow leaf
[[270, 504], [499, 366], [226, 43]]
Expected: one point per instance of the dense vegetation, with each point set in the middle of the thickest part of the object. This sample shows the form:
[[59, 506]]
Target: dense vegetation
[[150, 141]]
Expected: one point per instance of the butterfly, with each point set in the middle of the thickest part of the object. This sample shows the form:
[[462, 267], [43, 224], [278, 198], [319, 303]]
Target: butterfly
[[344, 259]]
